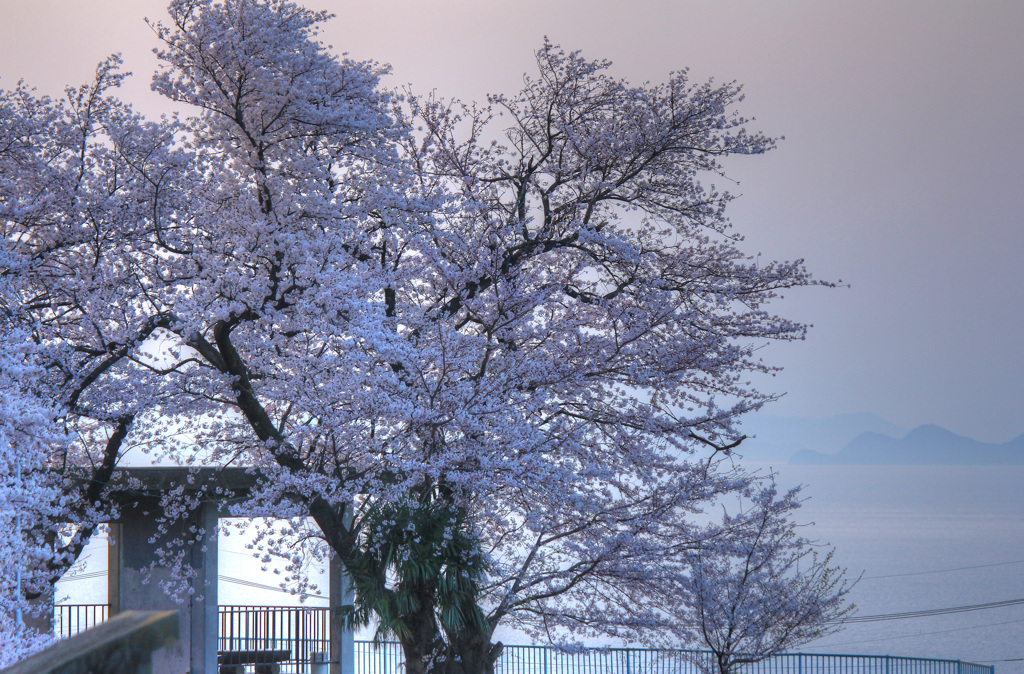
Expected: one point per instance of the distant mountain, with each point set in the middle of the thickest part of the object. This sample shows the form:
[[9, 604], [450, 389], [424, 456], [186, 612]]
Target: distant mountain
[[925, 445], [775, 438]]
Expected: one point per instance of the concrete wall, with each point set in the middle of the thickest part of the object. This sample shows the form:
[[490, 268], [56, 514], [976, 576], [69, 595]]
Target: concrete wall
[[137, 580]]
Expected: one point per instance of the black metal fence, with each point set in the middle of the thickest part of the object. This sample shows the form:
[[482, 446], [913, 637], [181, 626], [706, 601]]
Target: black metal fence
[[70, 619], [305, 632]]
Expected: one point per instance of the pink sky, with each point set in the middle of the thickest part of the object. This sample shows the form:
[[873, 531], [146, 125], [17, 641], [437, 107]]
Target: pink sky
[[902, 172]]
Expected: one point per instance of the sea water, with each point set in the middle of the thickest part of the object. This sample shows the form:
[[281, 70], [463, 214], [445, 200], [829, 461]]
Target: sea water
[[904, 529]]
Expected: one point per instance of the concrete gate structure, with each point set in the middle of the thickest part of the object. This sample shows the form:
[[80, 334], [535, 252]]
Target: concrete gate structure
[[141, 544]]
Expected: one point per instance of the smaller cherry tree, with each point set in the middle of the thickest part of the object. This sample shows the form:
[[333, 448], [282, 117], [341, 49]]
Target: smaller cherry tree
[[760, 588]]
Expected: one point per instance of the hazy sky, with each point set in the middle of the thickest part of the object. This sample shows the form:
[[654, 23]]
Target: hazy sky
[[902, 172]]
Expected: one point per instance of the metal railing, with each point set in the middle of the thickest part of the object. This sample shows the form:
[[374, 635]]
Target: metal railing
[[305, 632], [546, 660], [301, 630], [70, 619], [388, 659]]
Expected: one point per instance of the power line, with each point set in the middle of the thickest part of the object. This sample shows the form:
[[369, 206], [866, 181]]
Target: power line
[[83, 576], [249, 583], [922, 634], [226, 579], [959, 568], [933, 611], [253, 556]]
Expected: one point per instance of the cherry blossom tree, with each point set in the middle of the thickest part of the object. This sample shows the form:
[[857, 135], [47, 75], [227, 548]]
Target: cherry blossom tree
[[526, 324], [64, 204], [614, 319], [28, 496], [762, 589], [226, 277], [56, 458]]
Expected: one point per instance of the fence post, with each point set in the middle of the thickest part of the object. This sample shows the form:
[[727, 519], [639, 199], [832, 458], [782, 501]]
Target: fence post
[[887, 664]]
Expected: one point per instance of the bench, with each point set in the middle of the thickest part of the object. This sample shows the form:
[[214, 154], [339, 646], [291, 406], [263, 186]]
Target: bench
[[266, 662]]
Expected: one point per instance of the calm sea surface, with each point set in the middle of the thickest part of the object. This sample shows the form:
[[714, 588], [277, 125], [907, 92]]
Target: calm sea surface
[[889, 522]]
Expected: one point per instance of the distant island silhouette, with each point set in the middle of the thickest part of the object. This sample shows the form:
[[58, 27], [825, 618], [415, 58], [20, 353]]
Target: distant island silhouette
[[866, 439], [925, 445]]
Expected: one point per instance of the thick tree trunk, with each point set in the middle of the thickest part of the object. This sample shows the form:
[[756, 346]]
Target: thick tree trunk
[[472, 652], [417, 655], [421, 642]]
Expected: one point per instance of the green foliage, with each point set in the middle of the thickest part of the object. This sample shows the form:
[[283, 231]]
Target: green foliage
[[419, 562]]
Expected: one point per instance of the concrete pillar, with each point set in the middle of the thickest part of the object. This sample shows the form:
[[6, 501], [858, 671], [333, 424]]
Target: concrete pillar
[[204, 603], [134, 552], [343, 660], [113, 569]]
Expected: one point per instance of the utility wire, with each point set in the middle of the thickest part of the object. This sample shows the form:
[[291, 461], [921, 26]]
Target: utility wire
[[930, 612], [959, 568], [227, 579], [252, 555], [82, 576], [249, 583], [921, 634]]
